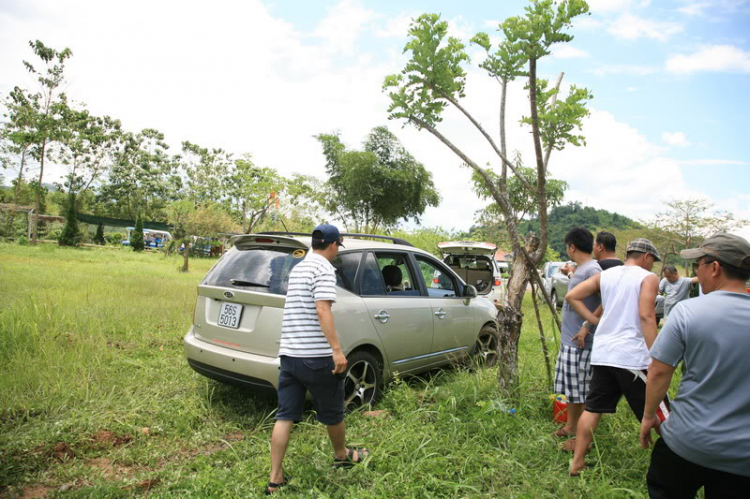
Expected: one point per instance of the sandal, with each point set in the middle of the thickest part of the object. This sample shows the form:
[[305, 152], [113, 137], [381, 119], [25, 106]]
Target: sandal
[[267, 490], [349, 460], [562, 432], [570, 445]]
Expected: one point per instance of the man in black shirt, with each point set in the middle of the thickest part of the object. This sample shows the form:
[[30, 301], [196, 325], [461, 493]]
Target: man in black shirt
[[604, 250]]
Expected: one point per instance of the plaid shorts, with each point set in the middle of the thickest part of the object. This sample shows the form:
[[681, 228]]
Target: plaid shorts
[[573, 373]]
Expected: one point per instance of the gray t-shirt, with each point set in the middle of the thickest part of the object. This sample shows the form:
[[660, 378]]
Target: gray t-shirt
[[710, 419], [675, 292], [571, 321]]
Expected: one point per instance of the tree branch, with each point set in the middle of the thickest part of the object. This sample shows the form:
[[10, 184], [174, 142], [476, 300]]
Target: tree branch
[[541, 177], [552, 104]]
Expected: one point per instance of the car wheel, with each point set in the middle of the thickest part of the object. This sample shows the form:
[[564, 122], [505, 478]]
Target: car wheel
[[553, 298], [486, 348], [363, 381]]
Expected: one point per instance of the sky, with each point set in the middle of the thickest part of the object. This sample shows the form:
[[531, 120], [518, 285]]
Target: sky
[[670, 80]]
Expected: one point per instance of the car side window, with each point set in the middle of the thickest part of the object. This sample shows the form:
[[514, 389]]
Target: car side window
[[346, 266], [372, 283], [397, 276], [438, 283]]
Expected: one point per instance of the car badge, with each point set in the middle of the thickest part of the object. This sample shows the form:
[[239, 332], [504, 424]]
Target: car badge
[[228, 294], [299, 253]]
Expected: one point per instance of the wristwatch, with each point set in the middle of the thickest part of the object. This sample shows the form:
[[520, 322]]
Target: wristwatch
[[587, 325]]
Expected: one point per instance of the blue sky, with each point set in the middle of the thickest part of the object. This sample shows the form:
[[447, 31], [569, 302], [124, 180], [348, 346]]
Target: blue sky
[[670, 81]]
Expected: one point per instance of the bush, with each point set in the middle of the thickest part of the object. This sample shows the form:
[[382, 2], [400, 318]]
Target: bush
[[114, 238], [99, 237], [70, 236], [136, 237], [22, 241]]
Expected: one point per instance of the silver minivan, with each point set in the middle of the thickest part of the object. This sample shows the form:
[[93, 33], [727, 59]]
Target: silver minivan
[[392, 315]]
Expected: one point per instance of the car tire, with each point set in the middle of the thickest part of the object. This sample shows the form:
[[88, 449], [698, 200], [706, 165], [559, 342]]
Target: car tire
[[553, 298], [363, 382], [486, 350]]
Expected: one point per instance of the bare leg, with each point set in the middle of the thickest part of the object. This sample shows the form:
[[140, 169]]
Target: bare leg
[[574, 412], [337, 434], [279, 440], [587, 424]]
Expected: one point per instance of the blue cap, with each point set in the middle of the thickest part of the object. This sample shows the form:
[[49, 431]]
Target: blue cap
[[327, 233]]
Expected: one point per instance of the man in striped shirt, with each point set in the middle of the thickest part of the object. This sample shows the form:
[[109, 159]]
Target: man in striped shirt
[[310, 355]]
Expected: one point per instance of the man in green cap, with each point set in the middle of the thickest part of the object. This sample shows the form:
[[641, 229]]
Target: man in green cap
[[706, 440]]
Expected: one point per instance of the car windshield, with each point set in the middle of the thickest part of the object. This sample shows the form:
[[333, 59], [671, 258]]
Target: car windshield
[[257, 268], [553, 269]]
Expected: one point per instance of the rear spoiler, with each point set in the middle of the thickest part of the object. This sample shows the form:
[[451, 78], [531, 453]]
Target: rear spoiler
[[395, 240]]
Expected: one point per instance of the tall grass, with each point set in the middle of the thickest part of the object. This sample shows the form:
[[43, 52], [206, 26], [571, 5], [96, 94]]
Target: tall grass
[[90, 340]]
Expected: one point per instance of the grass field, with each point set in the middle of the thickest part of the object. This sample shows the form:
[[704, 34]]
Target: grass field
[[96, 400]]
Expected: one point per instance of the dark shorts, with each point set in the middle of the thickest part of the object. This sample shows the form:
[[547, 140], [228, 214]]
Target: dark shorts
[[672, 477], [609, 384], [314, 374]]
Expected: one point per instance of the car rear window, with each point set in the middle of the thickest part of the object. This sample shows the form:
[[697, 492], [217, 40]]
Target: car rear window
[[258, 268]]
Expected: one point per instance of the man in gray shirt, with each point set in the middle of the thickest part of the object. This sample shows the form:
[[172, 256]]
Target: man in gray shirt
[[573, 367], [705, 442], [674, 288]]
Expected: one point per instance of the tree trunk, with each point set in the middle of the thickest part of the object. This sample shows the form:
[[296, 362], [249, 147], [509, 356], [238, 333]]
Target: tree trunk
[[17, 192], [185, 256], [510, 320], [542, 337], [35, 223], [503, 94]]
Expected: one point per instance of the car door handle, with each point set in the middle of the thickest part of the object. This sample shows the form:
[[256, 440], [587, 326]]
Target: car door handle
[[441, 313], [382, 316]]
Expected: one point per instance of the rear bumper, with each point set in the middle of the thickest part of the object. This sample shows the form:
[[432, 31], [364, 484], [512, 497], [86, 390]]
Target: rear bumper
[[247, 370]]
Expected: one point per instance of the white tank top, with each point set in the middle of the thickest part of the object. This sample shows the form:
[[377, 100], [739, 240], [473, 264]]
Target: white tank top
[[618, 341]]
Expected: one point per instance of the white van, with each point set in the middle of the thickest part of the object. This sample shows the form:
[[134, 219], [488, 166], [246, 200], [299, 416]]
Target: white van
[[475, 263]]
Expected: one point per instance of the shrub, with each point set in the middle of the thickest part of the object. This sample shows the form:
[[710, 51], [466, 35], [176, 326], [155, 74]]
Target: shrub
[[136, 237], [114, 238], [70, 236], [99, 237], [22, 240]]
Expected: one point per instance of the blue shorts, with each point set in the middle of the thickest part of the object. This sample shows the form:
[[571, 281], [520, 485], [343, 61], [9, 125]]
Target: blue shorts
[[297, 376]]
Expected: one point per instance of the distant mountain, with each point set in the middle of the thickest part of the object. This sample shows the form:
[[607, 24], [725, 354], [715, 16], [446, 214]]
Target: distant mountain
[[563, 218]]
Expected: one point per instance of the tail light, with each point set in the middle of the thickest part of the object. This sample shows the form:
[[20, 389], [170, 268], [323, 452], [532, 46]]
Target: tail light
[[436, 280], [498, 282]]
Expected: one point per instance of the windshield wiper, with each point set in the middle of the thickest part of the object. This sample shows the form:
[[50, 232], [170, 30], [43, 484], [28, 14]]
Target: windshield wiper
[[240, 282]]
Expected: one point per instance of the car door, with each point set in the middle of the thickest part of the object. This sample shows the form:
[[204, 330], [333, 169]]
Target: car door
[[454, 331], [401, 316]]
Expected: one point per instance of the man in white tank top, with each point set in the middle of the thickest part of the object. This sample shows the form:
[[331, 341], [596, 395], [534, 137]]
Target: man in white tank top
[[624, 335]]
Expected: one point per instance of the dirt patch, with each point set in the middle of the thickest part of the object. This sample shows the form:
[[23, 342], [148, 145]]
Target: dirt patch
[[110, 469], [36, 491], [147, 484], [62, 452], [235, 436], [104, 438]]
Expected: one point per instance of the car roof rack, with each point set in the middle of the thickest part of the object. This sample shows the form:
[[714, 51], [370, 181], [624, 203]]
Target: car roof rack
[[395, 240]]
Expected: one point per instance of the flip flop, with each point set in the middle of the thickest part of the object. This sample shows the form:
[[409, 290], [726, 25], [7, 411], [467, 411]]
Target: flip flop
[[349, 460], [276, 486], [561, 432]]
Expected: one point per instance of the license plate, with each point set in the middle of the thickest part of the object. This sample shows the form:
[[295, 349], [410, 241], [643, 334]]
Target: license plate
[[229, 315]]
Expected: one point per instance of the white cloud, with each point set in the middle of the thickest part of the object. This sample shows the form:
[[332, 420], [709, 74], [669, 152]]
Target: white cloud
[[713, 58], [631, 27], [626, 69], [632, 89], [396, 27], [675, 139], [712, 162], [565, 51], [597, 6], [460, 28], [343, 25], [694, 9], [586, 23]]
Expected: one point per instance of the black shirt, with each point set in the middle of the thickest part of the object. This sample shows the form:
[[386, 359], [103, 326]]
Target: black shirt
[[608, 263]]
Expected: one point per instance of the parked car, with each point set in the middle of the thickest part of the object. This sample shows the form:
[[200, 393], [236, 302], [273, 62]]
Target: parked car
[[555, 282], [475, 264], [392, 315]]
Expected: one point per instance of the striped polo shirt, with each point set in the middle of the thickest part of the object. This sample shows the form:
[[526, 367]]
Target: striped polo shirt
[[313, 279]]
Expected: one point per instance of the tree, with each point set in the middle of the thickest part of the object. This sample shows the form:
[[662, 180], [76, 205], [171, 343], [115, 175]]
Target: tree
[[686, 222], [207, 172], [434, 78], [99, 236], [208, 220], [142, 179], [40, 114], [87, 145], [70, 235], [378, 186], [136, 237], [253, 191]]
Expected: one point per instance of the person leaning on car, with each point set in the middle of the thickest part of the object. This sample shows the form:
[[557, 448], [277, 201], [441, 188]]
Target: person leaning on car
[[310, 356]]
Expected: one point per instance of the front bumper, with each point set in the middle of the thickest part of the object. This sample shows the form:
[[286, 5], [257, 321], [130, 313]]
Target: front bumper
[[247, 370]]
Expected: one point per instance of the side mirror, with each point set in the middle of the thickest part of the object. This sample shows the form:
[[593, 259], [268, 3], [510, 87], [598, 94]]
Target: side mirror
[[470, 292]]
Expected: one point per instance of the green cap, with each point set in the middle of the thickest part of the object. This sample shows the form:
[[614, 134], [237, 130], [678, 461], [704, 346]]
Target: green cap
[[724, 247]]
